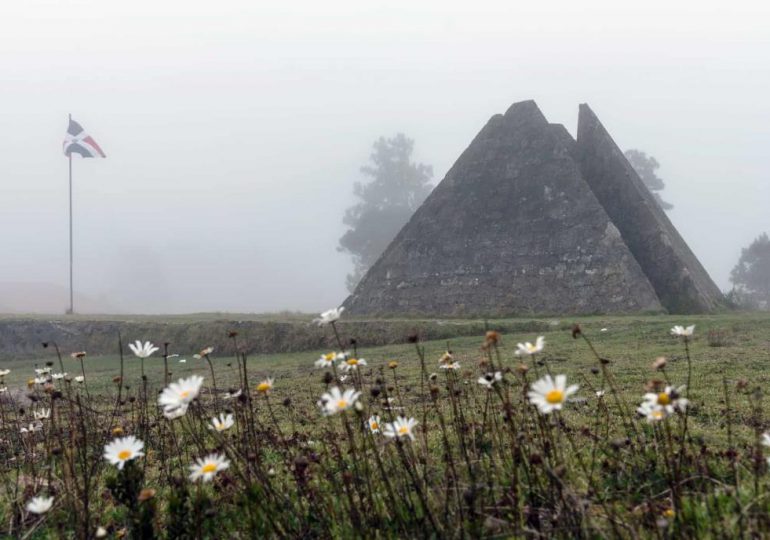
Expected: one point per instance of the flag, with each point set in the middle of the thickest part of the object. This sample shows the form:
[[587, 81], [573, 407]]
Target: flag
[[77, 141]]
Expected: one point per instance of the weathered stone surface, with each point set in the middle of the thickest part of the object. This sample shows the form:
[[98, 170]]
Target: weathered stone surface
[[681, 283], [513, 229]]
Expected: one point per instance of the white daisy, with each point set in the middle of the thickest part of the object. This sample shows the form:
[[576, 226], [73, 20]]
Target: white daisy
[[233, 395], [453, 366], [43, 371], [181, 393], [142, 350], [351, 364], [327, 360], [31, 428], [205, 469], [40, 380], [766, 439], [490, 379], [401, 427], [58, 376], [39, 505], [329, 316], [42, 414], [124, 449], [204, 352], [653, 412], [600, 393], [183, 360], [549, 394], [335, 401], [681, 331], [80, 379], [4, 372], [670, 399], [526, 349], [174, 413], [3, 389], [374, 423], [222, 423]]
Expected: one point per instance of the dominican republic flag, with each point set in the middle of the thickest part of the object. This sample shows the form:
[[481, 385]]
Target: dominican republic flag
[[78, 141]]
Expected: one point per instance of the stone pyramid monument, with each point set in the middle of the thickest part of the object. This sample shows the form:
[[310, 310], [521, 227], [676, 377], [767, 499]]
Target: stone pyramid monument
[[530, 221]]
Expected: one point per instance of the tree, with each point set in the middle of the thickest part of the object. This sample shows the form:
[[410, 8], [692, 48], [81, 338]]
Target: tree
[[645, 166], [751, 276], [397, 187]]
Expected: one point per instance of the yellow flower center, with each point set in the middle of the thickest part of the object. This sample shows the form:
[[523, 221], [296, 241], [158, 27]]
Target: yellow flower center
[[657, 415], [353, 362], [184, 393], [209, 468], [664, 399], [263, 387], [554, 396], [342, 404], [329, 356], [375, 425], [403, 430], [123, 455]]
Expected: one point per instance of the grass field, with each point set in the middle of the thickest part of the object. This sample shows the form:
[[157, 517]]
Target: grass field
[[468, 491]]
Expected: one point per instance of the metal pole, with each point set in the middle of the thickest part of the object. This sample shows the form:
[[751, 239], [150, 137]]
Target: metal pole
[[72, 305]]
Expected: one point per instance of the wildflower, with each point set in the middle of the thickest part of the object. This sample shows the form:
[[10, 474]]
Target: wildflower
[[39, 505], [42, 414], [374, 423], [142, 350], [326, 360], [222, 423], [352, 363], [603, 330], [453, 366], [204, 352], [39, 380], [183, 360], [329, 316], [335, 401], [180, 394], [265, 386], [446, 358], [31, 428], [173, 414], [681, 331], [4, 372], [233, 395], [119, 451], [669, 513], [43, 371], [79, 354], [669, 399], [205, 469], [3, 389], [401, 427], [58, 376], [527, 349], [79, 379], [600, 393], [651, 411], [117, 431], [489, 380], [491, 337], [549, 394], [766, 439], [392, 364], [101, 532], [343, 378]]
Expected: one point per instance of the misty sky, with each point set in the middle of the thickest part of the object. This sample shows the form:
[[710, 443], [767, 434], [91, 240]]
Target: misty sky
[[234, 130]]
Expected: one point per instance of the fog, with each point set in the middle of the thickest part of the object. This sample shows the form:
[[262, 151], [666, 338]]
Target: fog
[[234, 130]]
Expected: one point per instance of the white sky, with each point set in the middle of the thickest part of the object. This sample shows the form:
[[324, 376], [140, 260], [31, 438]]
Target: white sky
[[235, 129]]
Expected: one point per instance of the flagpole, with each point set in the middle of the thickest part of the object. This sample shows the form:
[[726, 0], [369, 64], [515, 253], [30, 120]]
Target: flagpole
[[72, 305]]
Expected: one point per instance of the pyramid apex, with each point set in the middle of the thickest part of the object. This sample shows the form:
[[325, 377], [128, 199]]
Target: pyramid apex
[[526, 110]]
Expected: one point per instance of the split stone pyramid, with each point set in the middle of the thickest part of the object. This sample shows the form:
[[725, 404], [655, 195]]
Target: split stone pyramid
[[530, 221]]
